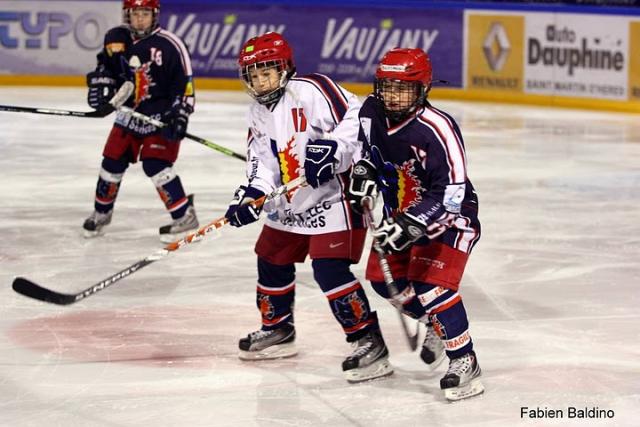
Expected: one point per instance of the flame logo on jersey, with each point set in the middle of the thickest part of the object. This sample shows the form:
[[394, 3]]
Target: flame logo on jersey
[[350, 309], [144, 82], [266, 308], [409, 188], [289, 163]]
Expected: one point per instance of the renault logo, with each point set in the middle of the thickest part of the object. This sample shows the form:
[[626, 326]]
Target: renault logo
[[496, 46]]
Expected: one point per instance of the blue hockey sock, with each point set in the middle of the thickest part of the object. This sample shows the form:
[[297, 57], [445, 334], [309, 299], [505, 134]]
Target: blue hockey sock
[[111, 174]]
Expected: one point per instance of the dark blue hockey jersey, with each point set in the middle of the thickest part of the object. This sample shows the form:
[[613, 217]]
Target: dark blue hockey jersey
[[160, 67], [422, 166]]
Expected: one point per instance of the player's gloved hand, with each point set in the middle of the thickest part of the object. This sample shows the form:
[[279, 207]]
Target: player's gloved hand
[[363, 189], [102, 87], [241, 211], [177, 120], [319, 162], [396, 234]]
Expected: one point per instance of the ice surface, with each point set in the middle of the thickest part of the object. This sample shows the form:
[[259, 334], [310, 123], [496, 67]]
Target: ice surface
[[551, 289]]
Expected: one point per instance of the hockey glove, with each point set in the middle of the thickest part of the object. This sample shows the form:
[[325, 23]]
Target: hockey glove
[[176, 120], [102, 87], [319, 162], [396, 234], [241, 211], [363, 189]]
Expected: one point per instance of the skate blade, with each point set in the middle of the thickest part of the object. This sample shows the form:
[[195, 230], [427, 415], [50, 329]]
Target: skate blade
[[436, 363], [432, 366], [91, 234], [473, 388], [379, 369], [274, 352]]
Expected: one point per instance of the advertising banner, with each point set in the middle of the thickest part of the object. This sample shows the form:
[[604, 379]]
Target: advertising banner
[[634, 60], [53, 37], [553, 54], [345, 43], [577, 55], [494, 52]]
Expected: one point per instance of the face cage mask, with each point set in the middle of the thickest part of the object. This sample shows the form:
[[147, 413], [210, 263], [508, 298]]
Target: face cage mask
[[409, 97], [272, 95], [140, 34]]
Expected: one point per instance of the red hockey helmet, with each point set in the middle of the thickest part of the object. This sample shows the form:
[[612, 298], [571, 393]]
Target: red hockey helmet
[[403, 80], [266, 65], [129, 5]]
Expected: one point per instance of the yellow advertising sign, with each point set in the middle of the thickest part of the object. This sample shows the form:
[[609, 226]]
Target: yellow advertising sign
[[495, 52], [634, 61]]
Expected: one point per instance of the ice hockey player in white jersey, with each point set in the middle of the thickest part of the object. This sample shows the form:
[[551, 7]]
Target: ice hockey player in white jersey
[[303, 126], [414, 155]]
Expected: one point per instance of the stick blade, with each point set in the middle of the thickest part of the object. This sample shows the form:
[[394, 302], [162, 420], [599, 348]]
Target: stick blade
[[32, 290]]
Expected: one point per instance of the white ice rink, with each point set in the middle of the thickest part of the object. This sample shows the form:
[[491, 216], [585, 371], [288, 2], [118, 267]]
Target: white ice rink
[[551, 288]]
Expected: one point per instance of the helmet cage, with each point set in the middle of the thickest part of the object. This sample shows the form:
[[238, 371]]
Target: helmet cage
[[276, 89], [400, 98]]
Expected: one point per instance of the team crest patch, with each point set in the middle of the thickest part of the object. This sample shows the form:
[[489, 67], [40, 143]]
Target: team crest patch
[[350, 309], [143, 80], [409, 188], [438, 327], [266, 307], [289, 162]]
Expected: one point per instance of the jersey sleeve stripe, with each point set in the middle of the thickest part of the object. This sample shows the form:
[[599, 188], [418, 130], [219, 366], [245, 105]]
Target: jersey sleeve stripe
[[335, 98], [183, 52], [450, 144]]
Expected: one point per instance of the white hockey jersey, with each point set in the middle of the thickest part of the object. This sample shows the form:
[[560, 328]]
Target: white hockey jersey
[[312, 107]]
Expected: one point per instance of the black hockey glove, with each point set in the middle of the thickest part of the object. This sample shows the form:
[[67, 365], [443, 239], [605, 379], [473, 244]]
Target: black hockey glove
[[363, 189], [319, 162], [177, 120], [240, 211], [396, 234], [102, 87]]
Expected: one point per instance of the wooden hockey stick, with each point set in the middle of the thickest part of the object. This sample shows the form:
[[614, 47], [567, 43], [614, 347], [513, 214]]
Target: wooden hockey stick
[[206, 142], [392, 288], [116, 102], [30, 289]]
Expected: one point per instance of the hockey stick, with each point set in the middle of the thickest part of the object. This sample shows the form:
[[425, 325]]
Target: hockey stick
[[30, 289], [412, 339], [195, 138], [116, 102]]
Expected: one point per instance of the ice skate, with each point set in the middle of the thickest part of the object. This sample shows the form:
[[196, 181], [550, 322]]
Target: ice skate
[[462, 379], [432, 352], [182, 226], [93, 225], [274, 344], [369, 360]]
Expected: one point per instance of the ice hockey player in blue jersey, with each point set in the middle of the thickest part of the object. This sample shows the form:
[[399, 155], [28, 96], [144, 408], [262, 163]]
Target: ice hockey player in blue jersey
[[415, 157], [159, 65]]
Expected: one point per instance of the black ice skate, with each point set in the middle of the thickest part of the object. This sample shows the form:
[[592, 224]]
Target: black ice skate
[[274, 344], [462, 379], [182, 226], [432, 352], [369, 360], [93, 225]]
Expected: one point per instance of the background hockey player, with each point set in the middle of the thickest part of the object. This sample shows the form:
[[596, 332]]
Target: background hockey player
[[159, 64], [303, 125], [415, 156]]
